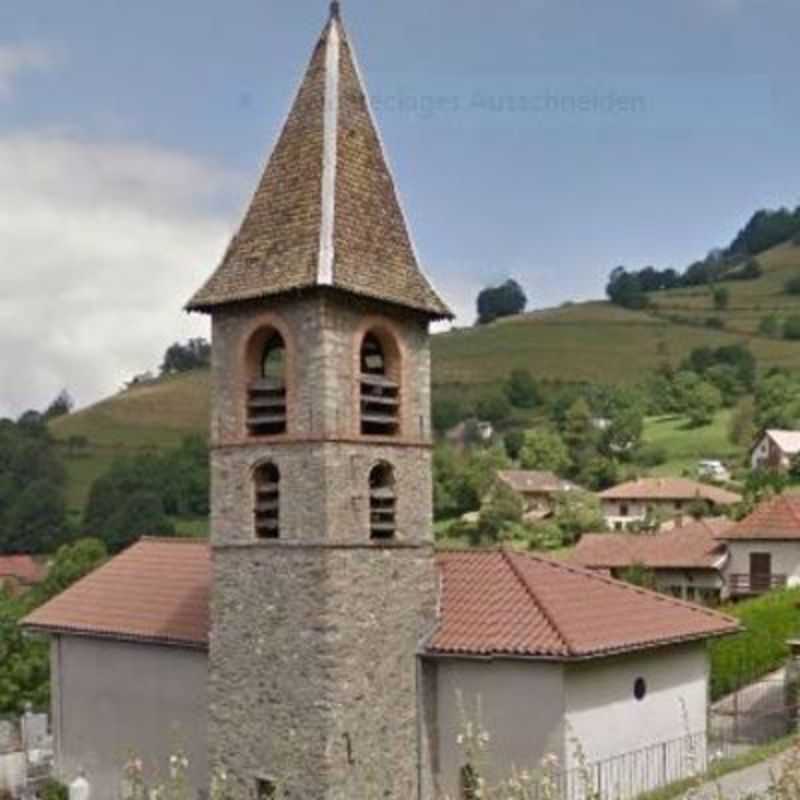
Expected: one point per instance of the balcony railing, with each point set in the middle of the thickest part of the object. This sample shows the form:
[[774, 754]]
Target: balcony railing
[[743, 584]]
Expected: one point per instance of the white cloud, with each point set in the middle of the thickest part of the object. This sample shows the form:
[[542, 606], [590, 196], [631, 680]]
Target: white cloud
[[16, 59], [100, 247]]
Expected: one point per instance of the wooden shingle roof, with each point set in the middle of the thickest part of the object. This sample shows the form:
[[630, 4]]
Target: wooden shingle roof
[[326, 212]]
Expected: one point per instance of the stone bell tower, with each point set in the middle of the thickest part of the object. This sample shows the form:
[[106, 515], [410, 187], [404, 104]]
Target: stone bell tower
[[324, 579]]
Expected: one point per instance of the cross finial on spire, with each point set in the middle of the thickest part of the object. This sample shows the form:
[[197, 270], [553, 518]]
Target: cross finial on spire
[[336, 9]]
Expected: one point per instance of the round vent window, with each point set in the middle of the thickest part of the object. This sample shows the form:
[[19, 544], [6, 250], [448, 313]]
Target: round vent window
[[640, 689]]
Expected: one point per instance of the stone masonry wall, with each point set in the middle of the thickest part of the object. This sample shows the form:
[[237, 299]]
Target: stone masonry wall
[[315, 636]]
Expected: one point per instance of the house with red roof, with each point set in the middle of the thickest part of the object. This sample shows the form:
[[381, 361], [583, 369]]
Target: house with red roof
[[19, 573], [764, 548], [544, 652], [631, 503], [688, 562]]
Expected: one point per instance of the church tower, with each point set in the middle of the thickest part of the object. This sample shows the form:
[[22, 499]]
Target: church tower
[[324, 578]]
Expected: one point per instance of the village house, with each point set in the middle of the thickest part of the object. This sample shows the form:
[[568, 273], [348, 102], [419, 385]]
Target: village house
[[538, 489], [764, 548], [775, 450], [317, 642], [688, 562], [543, 651], [469, 432], [20, 573], [631, 504]]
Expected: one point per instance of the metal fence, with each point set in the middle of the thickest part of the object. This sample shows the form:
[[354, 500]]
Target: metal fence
[[634, 773], [756, 714]]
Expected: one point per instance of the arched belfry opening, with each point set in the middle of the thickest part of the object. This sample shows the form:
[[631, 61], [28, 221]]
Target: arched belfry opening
[[267, 501], [382, 502], [380, 385], [266, 390]]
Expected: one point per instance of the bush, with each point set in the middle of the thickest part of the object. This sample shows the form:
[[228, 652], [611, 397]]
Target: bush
[[768, 623], [791, 328], [522, 389], [770, 325], [651, 455], [715, 322], [722, 298], [792, 286], [53, 790]]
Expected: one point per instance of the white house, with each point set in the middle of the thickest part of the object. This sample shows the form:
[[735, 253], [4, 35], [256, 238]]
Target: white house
[[775, 450], [631, 503], [547, 651], [688, 562], [764, 548]]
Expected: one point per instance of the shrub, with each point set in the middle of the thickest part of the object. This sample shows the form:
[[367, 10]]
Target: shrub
[[791, 328], [770, 325], [792, 286], [768, 623], [651, 455], [53, 790], [716, 323]]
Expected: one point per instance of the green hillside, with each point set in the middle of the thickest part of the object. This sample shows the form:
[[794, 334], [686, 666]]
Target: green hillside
[[594, 341]]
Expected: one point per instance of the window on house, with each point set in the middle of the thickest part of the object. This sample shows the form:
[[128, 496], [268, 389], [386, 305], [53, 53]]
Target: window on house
[[640, 689], [380, 389], [382, 503], [267, 496], [266, 393], [624, 510]]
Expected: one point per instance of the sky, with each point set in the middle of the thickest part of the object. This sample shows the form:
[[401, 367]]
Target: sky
[[545, 140]]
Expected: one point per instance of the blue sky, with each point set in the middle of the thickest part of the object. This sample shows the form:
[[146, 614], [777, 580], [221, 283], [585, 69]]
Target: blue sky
[[548, 140]]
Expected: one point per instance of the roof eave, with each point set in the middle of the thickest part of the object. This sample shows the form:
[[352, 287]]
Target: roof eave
[[65, 630]]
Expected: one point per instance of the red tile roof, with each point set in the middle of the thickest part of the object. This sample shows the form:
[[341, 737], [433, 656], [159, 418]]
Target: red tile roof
[[513, 604], [775, 519], [492, 602], [157, 590], [694, 546], [670, 489], [23, 568]]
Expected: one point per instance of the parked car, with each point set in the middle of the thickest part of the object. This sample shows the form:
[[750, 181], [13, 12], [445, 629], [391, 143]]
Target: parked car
[[714, 470]]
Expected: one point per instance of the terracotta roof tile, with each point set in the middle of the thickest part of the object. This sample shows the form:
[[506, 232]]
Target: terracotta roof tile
[[670, 489], [694, 546], [297, 233], [775, 519], [504, 603], [24, 568], [492, 603], [157, 590]]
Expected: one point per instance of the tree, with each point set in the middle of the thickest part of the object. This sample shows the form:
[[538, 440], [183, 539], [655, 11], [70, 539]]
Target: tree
[[141, 514], [792, 286], [62, 405], [722, 298], [447, 413], [704, 401], [504, 508], [522, 389], [544, 449], [626, 426], [770, 325], [71, 563], [639, 575], [625, 289], [777, 403], [791, 328], [194, 354], [36, 523], [496, 302], [577, 512], [494, 406], [743, 430]]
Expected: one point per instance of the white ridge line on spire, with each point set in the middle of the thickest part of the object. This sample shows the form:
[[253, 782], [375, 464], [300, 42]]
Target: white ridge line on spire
[[329, 157]]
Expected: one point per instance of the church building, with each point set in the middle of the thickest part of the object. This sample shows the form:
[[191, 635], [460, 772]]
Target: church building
[[317, 646]]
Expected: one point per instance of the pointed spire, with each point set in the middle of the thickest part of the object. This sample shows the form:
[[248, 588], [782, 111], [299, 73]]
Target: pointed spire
[[336, 9], [326, 212]]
